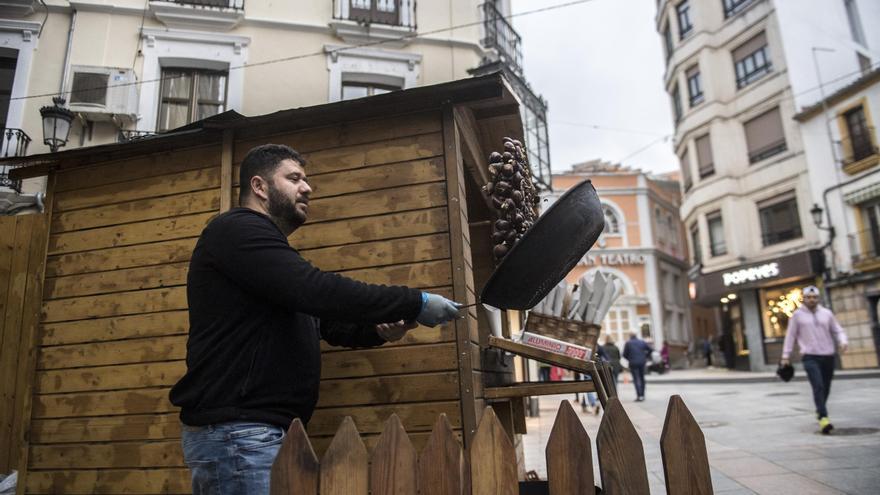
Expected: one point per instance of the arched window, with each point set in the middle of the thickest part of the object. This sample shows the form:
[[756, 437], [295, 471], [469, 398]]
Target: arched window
[[612, 223]]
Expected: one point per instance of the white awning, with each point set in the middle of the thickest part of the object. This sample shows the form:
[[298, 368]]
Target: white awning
[[863, 194]]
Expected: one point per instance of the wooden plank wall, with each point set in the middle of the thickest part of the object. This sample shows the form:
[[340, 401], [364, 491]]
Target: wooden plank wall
[[114, 323], [379, 214], [22, 262]]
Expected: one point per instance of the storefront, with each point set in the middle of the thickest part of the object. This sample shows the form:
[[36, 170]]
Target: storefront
[[755, 302]]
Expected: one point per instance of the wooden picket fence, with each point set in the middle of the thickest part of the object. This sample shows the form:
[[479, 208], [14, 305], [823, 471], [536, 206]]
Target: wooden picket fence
[[441, 469]]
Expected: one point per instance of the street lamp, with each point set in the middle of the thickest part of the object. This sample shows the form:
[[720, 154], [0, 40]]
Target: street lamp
[[56, 124], [817, 211]]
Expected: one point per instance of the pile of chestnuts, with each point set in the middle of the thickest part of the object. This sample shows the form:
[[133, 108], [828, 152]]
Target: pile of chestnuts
[[513, 194]]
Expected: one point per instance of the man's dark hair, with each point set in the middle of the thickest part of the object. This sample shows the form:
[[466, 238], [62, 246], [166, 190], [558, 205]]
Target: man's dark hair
[[262, 161]]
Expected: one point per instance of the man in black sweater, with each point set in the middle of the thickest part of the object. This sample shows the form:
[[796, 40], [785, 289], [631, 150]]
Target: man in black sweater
[[257, 312]]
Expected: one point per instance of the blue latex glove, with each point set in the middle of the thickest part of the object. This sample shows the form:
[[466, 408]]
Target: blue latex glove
[[436, 310]]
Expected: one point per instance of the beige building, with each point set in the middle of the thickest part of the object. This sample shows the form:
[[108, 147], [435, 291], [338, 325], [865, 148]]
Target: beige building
[[133, 67], [644, 246], [738, 71]]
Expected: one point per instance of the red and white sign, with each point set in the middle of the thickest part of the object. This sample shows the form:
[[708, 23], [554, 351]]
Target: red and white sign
[[557, 346]]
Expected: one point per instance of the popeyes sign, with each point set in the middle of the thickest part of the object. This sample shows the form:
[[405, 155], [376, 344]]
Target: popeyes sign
[[753, 274]]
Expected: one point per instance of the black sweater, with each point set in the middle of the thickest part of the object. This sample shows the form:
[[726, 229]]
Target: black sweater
[[257, 310]]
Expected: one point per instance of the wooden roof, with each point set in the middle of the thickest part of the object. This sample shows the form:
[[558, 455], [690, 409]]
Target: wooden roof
[[489, 97]]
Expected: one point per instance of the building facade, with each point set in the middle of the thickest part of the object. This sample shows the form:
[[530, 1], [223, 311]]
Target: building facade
[[644, 246], [133, 68], [845, 180], [738, 71]]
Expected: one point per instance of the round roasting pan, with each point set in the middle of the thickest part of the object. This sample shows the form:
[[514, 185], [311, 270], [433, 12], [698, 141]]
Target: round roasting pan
[[547, 251]]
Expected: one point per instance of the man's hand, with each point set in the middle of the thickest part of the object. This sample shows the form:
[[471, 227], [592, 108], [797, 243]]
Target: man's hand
[[843, 348], [392, 332], [785, 362], [437, 310]]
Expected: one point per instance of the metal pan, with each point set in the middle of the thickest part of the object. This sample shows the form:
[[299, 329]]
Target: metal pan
[[548, 251]]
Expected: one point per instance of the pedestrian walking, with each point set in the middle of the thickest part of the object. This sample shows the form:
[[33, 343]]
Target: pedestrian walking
[[815, 329], [637, 352], [707, 352], [613, 354]]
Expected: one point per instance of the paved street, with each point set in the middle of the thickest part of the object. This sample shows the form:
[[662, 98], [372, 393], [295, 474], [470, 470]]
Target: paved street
[[761, 437]]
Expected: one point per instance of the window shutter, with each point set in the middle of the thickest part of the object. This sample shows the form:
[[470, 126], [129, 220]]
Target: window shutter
[[704, 156], [747, 48], [764, 132]]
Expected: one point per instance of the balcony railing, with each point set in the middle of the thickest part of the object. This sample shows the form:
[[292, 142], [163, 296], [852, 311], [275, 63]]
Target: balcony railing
[[768, 151], [733, 7], [857, 147], [501, 36], [401, 13], [865, 245], [14, 143], [125, 136], [212, 4]]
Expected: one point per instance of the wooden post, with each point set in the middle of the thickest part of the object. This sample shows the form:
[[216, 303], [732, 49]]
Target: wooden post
[[493, 460], [621, 457], [226, 170], [295, 471], [441, 464], [394, 469], [683, 448], [569, 455], [344, 466]]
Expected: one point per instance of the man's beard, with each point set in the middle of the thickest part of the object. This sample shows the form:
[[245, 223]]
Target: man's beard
[[284, 209]]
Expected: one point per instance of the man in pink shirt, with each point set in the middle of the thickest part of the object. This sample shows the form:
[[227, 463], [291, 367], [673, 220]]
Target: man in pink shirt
[[815, 329]]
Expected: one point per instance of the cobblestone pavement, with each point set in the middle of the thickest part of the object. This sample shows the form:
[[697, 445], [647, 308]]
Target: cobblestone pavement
[[762, 437]]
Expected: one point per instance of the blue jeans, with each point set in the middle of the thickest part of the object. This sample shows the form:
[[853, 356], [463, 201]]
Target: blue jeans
[[820, 371], [231, 458], [638, 373]]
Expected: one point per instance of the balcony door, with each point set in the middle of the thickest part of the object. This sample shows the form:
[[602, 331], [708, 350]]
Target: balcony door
[[8, 62]]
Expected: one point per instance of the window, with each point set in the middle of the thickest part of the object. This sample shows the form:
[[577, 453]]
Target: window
[[717, 245], [764, 136], [612, 224], [352, 90], [676, 103], [375, 11], [868, 239], [704, 156], [855, 22], [8, 61], [751, 61], [188, 95], [695, 243], [667, 39], [858, 143], [779, 219], [864, 63], [685, 27], [695, 85], [686, 171], [732, 7]]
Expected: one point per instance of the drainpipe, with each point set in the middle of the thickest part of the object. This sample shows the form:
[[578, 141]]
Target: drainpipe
[[66, 72]]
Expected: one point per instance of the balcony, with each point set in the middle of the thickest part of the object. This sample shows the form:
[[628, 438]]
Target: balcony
[[14, 143], [733, 7], [364, 21], [865, 248], [500, 36], [199, 14], [125, 136], [859, 151]]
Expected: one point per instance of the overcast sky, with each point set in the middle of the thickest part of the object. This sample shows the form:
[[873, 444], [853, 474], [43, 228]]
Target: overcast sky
[[599, 64]]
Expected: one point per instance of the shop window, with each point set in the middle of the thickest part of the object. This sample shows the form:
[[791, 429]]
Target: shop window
[[778, 305], [780, 221]]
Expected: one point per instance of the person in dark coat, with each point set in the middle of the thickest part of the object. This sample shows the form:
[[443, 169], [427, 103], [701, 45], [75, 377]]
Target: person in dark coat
[[637, 352], [613, 356]]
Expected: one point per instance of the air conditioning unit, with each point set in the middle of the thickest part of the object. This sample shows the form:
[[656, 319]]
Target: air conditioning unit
[[103, 93]]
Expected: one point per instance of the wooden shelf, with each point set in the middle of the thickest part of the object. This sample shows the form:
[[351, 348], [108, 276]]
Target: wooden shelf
[[548, 357], [531, 389]]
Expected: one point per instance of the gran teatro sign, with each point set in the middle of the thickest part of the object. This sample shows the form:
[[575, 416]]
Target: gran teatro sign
[[612, 259]]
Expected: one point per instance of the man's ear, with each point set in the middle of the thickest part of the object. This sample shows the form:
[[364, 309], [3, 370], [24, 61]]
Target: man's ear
[[260, 187]]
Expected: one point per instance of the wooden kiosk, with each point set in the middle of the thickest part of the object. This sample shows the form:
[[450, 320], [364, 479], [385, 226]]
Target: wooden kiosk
[[98, 332]]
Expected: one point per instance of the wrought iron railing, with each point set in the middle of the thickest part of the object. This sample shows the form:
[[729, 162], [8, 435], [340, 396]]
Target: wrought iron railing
[[400, 13], [14, 143], [125, 136], [865, 245], [500, 35], [733, 7], [858, 146], [212, 4]]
